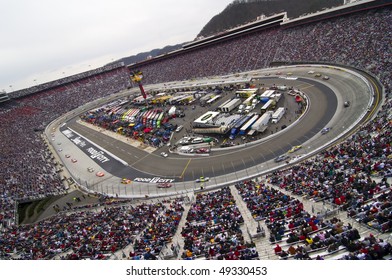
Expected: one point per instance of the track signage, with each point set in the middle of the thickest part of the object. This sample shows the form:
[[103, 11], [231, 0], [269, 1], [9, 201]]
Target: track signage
[[153, 180]]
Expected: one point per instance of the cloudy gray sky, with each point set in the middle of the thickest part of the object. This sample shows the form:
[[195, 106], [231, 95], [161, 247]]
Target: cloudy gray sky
[[43, 40]]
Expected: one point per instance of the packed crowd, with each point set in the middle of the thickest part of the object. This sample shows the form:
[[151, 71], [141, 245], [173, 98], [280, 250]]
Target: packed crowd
[[27, 168], [267, 203], [362, 40], [66, 80], [229, 57], [370, 248], [150, 242], [351, 175], [82, 234], [213, 229], [300, 235], [95, 234]]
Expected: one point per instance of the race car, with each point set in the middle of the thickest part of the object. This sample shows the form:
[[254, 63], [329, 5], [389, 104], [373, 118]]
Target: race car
[[282, 158], [125, 181], [202, 179], [164, 185], [295, 148], [325, 130]]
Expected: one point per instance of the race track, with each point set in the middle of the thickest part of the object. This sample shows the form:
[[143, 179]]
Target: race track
[[226, 166]]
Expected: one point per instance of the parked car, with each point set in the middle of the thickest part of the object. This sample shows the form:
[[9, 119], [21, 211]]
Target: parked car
[[197, 140], [179, 128], [164, 154], [202, 151]]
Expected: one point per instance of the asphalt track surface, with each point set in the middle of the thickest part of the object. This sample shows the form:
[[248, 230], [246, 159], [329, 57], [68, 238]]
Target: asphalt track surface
[[326, 109], [143, 164]]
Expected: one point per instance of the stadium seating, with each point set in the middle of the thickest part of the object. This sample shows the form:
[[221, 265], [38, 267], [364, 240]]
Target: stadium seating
[[351, 175]]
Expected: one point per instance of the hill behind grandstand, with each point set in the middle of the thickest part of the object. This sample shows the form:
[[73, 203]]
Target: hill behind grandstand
[[240, 12], [144, 55]]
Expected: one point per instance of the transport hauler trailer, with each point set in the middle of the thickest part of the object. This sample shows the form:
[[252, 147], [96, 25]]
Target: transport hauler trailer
[[245, 93], [262, 123], [278, 114], [237, 126], [228, 107], [246, 127], [249, 100], [270, 105]]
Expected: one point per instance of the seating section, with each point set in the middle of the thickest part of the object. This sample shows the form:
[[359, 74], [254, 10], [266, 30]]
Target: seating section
[[212, 230], [353, 175]]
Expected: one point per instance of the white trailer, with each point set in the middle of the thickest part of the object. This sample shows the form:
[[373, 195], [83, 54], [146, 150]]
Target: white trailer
[[231, 105], [262, 123], [249, 100], [267, 93], [278, 114], [276, 97]]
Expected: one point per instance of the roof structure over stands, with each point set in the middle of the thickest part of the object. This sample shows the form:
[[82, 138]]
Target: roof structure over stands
[[4, 97], [335, 12]]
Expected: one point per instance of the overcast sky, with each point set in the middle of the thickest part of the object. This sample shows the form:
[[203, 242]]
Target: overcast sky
[[43, 40]]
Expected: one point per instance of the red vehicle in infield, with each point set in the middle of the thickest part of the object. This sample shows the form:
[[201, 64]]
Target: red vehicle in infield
[[100, 174]]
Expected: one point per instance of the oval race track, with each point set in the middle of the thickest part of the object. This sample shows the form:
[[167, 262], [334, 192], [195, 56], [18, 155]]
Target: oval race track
[[225, 166]]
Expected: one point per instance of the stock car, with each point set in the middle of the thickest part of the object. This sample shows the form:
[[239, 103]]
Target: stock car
[[325, 130], [295, 148], [125, 181], [202, 179], [282, 158], [164, 185]]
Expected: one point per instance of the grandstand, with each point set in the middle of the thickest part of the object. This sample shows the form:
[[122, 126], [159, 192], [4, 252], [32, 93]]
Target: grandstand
[[4, 97], [334, 206]]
